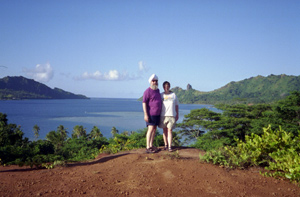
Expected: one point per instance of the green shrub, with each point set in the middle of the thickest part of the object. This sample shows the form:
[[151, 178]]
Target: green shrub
[[277, 151], [207, 142], [119, 143], [79, 149], [135, 140], [286, 164]]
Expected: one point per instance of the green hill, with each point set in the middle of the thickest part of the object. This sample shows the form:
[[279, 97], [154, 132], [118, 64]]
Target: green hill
[[253, 90], [23, 88]]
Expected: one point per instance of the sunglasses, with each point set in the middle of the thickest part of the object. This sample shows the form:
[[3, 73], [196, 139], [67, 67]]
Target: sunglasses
[[154, 80]]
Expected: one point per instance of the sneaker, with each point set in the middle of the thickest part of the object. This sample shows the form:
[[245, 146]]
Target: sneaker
[[149, 150], [154, 149]]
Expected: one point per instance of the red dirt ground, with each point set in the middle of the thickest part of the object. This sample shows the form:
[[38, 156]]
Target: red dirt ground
[[135, 173]]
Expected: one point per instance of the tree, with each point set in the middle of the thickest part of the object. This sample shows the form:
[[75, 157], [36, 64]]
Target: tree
[[63, 132], [36, 130], [79, 131], [213, 129], [288, 112], [114, 131], [10, 134], [126, 133], [12, 144], [57, 138], [95, 133], [197, 122], [237, 121]]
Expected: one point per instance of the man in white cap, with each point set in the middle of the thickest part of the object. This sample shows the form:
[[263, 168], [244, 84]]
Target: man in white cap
[[152, 108]]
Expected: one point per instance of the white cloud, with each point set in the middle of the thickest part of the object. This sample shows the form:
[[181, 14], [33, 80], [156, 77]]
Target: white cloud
[[142, 66], [41, 73], [113, 75]]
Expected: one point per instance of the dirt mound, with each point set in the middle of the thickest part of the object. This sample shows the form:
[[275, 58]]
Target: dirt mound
[[135, 173]]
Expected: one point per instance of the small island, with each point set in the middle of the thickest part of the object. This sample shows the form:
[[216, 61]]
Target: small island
[[17, 88]]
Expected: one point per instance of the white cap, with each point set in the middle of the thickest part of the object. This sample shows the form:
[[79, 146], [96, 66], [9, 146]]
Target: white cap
[[153, 77]]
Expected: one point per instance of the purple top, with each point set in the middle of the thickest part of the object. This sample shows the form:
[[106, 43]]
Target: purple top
[[153, 101]]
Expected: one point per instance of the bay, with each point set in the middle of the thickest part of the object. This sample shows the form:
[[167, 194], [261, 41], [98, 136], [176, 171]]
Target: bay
[[105, 113]]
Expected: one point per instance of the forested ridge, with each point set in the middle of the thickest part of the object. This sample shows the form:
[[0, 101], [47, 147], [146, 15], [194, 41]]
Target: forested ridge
[[253, 90], [23, 88]]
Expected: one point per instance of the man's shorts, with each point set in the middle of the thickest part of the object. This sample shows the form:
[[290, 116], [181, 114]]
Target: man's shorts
[[167, 122], [153, 120]]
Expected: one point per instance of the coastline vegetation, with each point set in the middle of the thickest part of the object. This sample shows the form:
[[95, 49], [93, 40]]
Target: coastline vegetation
[[241, 136], [59, 148]]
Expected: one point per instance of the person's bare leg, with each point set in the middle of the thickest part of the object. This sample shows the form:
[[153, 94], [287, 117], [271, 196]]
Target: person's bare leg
[[170, 138], [148, 136], [152, 136], [165, 136]]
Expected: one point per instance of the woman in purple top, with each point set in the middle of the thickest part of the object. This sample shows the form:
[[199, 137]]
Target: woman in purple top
[[152, 108]]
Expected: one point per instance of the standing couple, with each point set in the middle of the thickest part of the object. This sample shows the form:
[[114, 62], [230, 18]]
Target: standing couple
[[159, 110]]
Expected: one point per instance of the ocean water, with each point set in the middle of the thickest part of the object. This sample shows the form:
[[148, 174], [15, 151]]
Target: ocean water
[[105, 113]]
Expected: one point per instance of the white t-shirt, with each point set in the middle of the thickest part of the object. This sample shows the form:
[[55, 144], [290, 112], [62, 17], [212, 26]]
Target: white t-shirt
[[169, 101]]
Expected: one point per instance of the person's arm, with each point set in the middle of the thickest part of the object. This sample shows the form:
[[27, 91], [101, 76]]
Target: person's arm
[[177, 112], [146, 118]]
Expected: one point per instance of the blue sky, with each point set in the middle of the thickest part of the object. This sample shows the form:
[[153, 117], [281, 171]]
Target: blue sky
[[109, 48]]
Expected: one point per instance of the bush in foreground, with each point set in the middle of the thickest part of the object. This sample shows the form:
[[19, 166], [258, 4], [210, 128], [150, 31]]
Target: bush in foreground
[[276, 150], [123, 142]]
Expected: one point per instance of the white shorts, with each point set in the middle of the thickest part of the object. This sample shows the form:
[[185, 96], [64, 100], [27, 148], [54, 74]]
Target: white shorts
[[167, 122]]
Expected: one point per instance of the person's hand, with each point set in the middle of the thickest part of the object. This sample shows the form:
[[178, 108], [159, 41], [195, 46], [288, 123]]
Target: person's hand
[[146, 118], [176, 118]]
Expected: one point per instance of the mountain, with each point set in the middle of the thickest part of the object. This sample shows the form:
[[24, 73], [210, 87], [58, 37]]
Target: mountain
[[23, 88], [253, 90]]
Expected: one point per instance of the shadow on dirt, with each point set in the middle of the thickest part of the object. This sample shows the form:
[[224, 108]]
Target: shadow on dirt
[[101, 160], [105, 158], [20, 170]]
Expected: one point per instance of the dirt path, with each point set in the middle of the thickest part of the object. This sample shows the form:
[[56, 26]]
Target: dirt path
[[135, 173]]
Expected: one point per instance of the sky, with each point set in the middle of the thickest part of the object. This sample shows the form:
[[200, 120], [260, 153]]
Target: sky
[[109, 48]]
